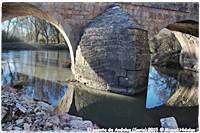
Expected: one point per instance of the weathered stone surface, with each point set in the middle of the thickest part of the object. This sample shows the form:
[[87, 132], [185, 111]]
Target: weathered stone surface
[[17, 114], [165, 49], [19, 121], [189, 56], [170, 48], [27, 126], [71, 18], [109, 44], [107, 59], [78, 124], [3, 112], [21, 108]]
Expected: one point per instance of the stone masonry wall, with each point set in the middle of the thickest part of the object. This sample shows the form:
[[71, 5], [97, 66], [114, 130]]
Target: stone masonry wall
[[112, 46], [113, 54], [71, 17]]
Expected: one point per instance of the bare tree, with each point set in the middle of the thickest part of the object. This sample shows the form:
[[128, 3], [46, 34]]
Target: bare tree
[[37, 26], [32, 29], [7, 29], [45, 29], [57, 35]]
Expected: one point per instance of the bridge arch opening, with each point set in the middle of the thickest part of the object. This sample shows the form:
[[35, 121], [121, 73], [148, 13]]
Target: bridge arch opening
[[174, 50], [186, 26], [179, 37], [11, 10], [40, 68]]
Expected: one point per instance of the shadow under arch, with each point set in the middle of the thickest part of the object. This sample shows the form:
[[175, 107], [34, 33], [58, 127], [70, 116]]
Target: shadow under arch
[[191, 27], [188, 26], [12, 9]]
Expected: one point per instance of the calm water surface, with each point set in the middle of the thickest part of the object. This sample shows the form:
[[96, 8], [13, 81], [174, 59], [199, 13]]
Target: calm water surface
[[44, 72], [46, 76], [160, 88], [145, 109]]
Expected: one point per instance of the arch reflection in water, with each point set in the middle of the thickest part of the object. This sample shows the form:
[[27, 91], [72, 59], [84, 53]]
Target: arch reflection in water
[[116, 111], [172, 87], [42, 73], [47, 65], [186, 93], [109, 110]]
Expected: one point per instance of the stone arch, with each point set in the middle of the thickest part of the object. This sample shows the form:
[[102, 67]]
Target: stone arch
[[185, 54], [186, 26], [189, 25], [186, 32], [11, 10]]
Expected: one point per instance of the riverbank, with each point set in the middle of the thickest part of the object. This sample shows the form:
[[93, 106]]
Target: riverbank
[[21, 112], [30, 46]]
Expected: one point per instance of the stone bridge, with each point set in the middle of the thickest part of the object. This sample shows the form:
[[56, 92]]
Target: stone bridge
[[108, 42]]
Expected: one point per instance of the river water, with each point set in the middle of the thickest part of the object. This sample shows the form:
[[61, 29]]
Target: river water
[[44, 72], [46, 75]]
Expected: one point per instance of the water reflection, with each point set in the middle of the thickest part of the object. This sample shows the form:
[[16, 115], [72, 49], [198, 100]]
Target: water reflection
[[160, 88], [110, 110], [48, 65], [186, 93], [46, 90], [45, 78], [43, 71], [171, 86]]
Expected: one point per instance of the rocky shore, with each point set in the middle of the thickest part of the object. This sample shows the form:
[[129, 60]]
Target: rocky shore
[[20, 112]]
